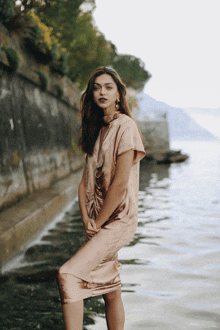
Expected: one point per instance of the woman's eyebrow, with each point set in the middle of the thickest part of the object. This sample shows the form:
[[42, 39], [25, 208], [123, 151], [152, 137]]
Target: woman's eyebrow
[[110, 83]]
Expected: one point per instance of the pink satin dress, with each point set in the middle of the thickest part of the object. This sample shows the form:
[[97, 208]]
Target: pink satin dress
[[94, 269]]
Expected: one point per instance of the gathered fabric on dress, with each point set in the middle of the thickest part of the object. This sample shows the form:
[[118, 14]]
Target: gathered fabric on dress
[[94, 269]]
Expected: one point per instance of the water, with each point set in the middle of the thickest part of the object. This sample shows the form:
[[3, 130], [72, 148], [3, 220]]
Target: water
[[171, 272], [171, 269]]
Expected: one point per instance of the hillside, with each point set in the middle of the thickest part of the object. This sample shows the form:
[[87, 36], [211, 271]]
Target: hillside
[[181, 125], [203, 111]]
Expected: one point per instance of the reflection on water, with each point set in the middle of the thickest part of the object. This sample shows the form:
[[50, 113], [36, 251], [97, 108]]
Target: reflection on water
[[170, 270], [28, 292], [151, 172]]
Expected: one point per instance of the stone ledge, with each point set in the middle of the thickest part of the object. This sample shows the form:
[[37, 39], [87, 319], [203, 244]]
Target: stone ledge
[[26, 219]]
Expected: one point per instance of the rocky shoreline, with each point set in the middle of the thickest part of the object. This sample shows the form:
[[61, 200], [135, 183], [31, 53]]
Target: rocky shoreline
[[168, 157]]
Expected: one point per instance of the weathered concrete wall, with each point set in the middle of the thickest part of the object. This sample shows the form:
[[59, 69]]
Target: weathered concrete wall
[[156, 136], [38, 131], [38, 136]]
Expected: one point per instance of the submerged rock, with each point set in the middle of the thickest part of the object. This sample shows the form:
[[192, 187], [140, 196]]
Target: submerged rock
[[167, 157], [173, 156]]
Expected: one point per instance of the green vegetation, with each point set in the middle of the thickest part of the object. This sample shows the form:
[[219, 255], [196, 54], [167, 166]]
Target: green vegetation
[[89, 50], [14, 160], [74, 146], [59, 64], [131, 70], [38, 41], [132, 101], [62, 34], [13, 58], [59, 90], [7, 10], [44, 80]]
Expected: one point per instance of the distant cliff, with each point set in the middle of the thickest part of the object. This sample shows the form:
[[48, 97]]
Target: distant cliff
[[181, 126]]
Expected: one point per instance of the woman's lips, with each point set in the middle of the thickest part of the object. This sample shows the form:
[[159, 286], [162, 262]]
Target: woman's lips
[[102, 99]]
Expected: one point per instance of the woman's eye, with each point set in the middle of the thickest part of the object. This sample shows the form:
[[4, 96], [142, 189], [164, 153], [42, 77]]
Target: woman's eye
[[95, 88], [109, 87]]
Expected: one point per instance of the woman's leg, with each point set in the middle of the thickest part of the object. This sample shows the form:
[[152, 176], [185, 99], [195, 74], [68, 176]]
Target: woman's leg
[[115, 315], [73, 315], [70, 288]]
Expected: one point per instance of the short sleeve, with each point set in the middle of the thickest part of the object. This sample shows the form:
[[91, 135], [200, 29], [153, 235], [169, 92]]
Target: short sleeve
[[130, 139]]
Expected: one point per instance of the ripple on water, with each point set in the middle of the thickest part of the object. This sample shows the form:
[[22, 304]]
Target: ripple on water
[[178, 235], [171, 268]]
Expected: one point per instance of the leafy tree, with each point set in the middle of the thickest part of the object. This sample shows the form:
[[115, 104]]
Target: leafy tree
[[7, 10], [52, 5], [27, 5], [61, 16], [56, 14], [75, 34], [131, 69], [68, 36], [89, 50]]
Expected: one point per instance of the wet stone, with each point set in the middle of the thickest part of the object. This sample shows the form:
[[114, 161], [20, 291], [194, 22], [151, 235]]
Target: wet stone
[[29, 295]]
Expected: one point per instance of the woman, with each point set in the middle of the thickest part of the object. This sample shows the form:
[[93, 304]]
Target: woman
[[108, 199]]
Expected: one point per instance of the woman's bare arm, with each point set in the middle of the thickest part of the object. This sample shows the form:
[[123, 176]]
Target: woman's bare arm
[[117, 188], [82, 197]]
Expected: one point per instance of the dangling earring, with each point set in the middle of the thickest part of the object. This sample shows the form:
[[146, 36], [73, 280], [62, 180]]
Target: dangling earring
[[117, 104]]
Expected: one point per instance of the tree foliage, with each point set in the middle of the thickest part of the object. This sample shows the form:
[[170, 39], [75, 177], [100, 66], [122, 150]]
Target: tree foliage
[[50, 6], [38, 41], [89, 50], [61, 17], [131, 69], [7, 10], [13, 58], [85, 46], [65, 36]]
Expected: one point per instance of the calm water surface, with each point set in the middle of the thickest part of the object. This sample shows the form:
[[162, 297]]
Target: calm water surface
[[171, 270]]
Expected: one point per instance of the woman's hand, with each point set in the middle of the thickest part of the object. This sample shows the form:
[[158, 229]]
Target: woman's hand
[[91, 228], [118, 187]]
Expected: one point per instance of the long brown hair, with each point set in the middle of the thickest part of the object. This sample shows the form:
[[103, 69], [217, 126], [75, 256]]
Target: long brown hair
[[91, 114]]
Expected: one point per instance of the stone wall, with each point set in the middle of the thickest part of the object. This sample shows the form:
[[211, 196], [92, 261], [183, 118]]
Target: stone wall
[[156, 136], [38, 131]]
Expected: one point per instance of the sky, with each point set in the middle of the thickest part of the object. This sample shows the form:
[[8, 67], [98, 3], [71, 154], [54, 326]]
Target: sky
[[178, 41]]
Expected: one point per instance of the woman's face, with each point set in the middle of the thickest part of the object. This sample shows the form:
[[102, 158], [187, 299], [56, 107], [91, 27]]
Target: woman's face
[[105, 92]]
